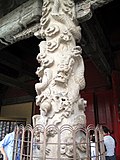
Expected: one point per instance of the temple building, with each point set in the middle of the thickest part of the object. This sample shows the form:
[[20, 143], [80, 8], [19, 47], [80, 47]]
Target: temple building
[[22, 37]]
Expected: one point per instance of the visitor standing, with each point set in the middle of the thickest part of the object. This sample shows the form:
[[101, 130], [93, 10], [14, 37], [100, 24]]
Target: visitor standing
[[7, 146], [109, 144]]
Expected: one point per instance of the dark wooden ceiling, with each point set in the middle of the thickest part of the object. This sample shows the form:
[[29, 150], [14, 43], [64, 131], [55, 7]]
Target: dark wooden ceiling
[[100, 43]]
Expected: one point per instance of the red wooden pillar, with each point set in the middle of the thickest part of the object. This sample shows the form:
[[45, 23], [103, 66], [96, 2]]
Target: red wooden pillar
[[90, 114], [116, 109], [104, 105]]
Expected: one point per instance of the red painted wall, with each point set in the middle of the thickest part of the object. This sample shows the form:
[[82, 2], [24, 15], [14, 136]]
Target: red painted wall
[[116, 109]]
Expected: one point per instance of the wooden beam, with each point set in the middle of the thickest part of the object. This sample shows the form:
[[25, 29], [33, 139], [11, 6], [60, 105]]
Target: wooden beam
[[84, 9], [15, 100], [93, 49], [8, 81], [27, 14], [21, 22]]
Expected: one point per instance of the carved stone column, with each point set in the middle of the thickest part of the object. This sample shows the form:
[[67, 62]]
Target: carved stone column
[[61, 70], [61, 77]]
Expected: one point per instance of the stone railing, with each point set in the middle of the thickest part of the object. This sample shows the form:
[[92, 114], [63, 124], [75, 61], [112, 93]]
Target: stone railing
[[35, 144]]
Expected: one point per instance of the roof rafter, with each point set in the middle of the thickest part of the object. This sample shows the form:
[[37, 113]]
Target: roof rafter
[[8, 81]]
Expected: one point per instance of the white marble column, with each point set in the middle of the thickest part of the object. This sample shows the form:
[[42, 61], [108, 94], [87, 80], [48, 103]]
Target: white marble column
[[61, 71]]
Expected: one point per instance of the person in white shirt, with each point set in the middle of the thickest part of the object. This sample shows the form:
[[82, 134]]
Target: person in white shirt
[[92, 145], [109, 144]]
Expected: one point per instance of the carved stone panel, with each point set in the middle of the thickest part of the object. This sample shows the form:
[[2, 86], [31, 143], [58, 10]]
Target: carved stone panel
[[18, 20]]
